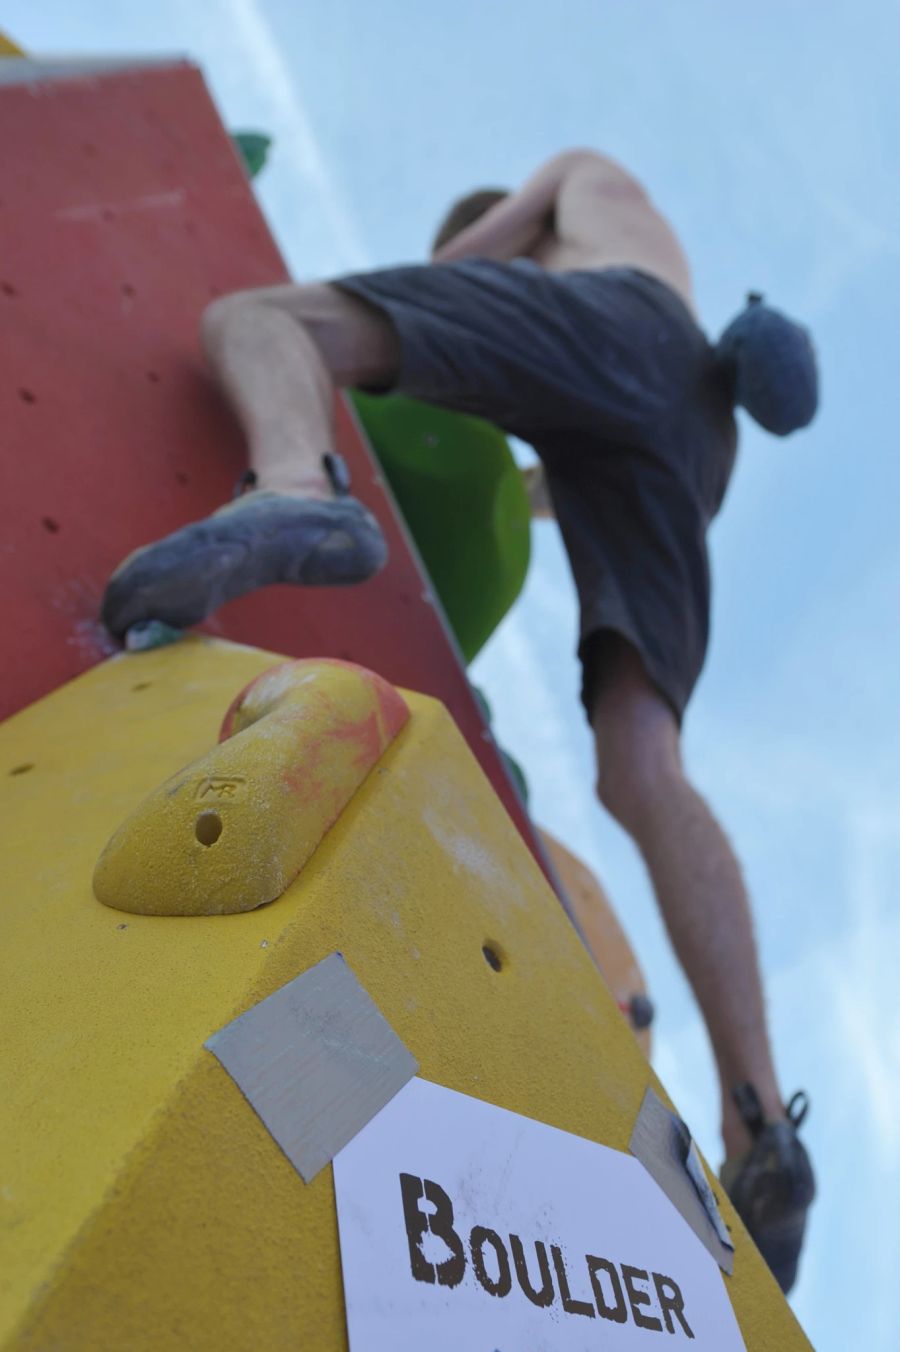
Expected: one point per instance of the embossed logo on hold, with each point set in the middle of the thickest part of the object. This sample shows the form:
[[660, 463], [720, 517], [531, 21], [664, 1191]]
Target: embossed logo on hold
[[221, 789]]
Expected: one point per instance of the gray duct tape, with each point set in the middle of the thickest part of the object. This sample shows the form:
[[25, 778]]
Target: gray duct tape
[[663, 1144], [316, 1061]]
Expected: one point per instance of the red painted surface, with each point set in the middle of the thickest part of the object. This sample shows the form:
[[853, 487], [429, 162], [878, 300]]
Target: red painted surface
[[123, 211]]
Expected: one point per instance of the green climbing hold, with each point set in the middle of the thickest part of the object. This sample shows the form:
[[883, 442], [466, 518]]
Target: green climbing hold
[[253, 148], [147, 634], [465, 503]]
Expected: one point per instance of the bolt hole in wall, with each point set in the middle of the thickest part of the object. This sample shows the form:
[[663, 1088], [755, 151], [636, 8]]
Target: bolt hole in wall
[[208, 828], [50, 525], [494, 956], [22, 769], [27, 396], [8, 289]]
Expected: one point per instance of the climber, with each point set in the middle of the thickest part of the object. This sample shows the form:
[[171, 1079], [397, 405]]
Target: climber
[[564, 313]]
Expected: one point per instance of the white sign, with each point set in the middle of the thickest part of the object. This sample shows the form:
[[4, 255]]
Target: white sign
[[467, 1228]]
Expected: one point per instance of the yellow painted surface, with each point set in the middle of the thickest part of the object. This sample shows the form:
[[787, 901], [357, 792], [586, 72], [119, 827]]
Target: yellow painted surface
[[8, 47], [144, 1205], [231, 830]]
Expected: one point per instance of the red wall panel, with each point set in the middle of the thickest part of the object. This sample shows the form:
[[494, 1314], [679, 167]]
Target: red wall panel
[[123, 211]]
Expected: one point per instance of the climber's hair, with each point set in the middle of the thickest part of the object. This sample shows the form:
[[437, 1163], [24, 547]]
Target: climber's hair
[[465, 212]]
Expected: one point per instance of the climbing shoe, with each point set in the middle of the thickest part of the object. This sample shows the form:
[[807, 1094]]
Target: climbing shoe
[[258, 539], [772, 1185]]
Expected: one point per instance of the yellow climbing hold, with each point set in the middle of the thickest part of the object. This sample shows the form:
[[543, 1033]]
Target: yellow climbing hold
[[232, 830]]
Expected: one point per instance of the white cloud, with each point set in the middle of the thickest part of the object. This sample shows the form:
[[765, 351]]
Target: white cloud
[[291, 126]]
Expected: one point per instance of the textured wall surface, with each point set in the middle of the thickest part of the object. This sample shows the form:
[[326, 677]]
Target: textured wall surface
[[124, 212], [146, 1205]]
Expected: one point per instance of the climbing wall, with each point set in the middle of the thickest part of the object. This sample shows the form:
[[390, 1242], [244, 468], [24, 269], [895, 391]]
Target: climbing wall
[[123, 212], [145, 1204]]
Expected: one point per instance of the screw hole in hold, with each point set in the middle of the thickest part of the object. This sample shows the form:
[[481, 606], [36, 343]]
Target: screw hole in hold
[[27, 396], [8, 289], [142, 685], [493, 956], [181, 477], [208, 828], [22, 769], [153, 377], [128, 289], [50, 525]]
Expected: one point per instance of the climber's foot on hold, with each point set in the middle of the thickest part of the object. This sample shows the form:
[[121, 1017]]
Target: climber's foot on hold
[[261, 538]]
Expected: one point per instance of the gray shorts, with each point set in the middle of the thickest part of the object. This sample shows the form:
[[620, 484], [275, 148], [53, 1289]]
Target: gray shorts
[[608, 376]]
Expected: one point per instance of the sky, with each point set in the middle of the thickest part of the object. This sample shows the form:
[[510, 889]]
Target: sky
[[767, 134]]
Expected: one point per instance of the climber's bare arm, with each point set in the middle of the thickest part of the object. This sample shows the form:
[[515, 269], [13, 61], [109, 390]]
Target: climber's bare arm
[[516, 225], [539, 498], [581, 210]]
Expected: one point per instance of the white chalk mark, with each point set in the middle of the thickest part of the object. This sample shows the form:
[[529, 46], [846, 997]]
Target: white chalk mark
[[96, 211]]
